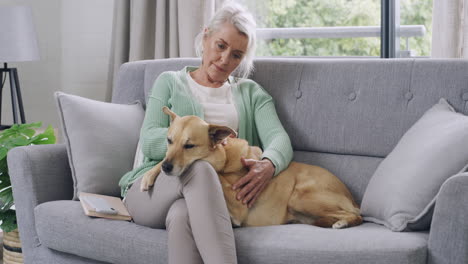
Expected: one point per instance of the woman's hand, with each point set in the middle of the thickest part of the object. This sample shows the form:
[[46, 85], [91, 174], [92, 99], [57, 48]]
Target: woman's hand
[[253, 183]]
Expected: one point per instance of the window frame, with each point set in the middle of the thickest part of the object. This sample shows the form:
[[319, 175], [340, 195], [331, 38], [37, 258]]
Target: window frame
[[390, 19]]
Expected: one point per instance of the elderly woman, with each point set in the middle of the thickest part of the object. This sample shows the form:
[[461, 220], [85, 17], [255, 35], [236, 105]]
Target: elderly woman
[[192, 207]]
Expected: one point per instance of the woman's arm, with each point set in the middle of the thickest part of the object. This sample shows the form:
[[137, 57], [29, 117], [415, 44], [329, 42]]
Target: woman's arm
[[275, 141], [154, 129], [277, 152]]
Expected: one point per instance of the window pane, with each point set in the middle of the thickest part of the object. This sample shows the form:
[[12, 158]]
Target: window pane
[[336, 27], [416, 13]]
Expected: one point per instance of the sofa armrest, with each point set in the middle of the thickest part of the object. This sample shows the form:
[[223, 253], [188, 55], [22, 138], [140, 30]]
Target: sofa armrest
[[448, 238], [38, 174]]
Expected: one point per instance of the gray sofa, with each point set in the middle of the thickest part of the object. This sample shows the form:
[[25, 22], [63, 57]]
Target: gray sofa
[[343, 114]]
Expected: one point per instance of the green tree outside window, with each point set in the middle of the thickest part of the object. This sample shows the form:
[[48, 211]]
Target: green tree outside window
[[335, 13]]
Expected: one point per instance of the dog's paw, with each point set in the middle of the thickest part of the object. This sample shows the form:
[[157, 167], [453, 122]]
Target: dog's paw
[[145, 184], [340, 224], [235, 222], [143, 187]]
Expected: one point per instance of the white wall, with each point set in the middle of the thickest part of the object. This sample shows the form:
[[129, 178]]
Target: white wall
[[86, 35], [74, 43]]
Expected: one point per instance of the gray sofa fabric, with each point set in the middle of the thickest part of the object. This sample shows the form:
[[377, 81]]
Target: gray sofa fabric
[[368, 243], [345, 115], [448, 240], [39, 174], [61, 225], [355, 171]]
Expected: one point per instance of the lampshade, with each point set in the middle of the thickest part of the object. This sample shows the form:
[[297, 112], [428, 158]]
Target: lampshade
[[18, 41]]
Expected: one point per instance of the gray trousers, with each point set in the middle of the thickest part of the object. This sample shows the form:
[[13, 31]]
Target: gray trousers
[[193, 210]]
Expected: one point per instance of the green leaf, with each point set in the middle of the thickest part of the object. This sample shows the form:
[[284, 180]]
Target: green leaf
[[16, 135], [3, 167], [6, 134], [20, 141], [19, 130], [5, 183], [28, 132], [6, 199], [3, 152], [4, 176], [8, 144], [47, 137], [8, 219]]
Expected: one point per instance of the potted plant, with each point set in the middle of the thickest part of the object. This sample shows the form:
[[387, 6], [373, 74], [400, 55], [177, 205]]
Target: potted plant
[[15, 136]]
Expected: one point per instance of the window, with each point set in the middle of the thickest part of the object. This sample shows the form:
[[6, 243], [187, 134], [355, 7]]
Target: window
[[338, 27], [418, 13]]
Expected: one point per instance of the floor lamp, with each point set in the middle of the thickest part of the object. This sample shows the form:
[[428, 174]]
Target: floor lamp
[[18, 42]]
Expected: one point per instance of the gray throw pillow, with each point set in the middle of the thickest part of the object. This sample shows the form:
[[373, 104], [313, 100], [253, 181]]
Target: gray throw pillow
[[101, 140], [401, 193]]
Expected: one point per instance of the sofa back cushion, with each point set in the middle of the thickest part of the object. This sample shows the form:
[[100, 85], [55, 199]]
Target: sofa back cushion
[[358, 107], [347, 107], [355, 171]]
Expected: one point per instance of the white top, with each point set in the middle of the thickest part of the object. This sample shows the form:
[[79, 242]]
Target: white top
[[218, 104]]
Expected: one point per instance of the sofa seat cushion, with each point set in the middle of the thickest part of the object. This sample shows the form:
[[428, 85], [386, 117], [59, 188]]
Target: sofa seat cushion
[[62, 226], [367, 243]]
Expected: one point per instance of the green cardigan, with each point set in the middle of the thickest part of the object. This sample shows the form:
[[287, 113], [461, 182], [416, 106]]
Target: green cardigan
[[258, 121]]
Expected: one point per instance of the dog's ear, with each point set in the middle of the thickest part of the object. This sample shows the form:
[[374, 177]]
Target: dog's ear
[[168, 112], [219, 133]]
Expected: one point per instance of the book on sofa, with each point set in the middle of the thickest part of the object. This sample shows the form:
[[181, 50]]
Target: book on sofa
[[104, 206]]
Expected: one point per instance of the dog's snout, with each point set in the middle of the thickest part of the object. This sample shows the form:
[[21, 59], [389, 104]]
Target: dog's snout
[[167, 167]]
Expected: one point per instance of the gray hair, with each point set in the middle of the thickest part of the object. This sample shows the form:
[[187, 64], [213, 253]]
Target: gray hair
[[241, 19]]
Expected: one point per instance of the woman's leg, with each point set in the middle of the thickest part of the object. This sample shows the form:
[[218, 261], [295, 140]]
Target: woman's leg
[[208, 214], [150, 208], [182, 247], [163, 207]]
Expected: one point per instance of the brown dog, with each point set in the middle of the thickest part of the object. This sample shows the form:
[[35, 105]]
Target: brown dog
[[300, 194]]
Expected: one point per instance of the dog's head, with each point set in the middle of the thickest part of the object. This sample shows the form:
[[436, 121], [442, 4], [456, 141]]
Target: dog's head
[[189, 138]]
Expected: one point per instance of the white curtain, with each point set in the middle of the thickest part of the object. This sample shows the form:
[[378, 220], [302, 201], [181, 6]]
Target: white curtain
[[450, 29], [155, 29]]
